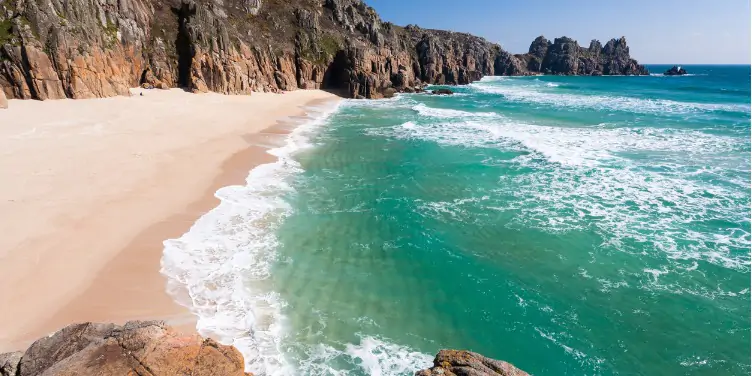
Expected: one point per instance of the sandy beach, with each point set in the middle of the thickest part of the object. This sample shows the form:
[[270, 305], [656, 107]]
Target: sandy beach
[[91, 188]]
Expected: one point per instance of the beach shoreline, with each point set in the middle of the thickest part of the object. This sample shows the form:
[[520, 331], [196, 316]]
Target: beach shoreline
[[94, 254]]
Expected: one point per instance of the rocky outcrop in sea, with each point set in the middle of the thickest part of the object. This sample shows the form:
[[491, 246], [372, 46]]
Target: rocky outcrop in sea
[[675, 71], [52, 49], [466, 363]]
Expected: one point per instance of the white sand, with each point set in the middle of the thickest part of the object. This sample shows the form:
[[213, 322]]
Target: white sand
[[90, 189]]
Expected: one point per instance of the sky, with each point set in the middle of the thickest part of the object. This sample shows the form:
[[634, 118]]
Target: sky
[[657, 31]]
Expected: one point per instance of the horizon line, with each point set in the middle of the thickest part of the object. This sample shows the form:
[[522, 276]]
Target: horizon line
[[690, 64]]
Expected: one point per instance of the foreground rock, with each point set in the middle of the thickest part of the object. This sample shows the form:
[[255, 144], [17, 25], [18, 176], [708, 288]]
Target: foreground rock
[[136, 348], [675, 71], [3, 99], [466, 363], [52, 49]]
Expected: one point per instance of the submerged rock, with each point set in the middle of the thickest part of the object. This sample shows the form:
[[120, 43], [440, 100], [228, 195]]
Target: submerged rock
[[442, 92], [675, 71], [466, 363], [136, 348]]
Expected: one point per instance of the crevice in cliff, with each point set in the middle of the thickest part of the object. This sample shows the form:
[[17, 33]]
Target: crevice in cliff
[[184, 44], [337, 75], [27, 73]]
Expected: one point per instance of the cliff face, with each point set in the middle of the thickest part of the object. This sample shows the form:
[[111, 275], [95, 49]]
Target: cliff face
[[82, 49], [51, 49], [565, 57]]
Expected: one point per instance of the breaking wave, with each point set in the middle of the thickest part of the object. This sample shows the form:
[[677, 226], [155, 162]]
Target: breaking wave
[[424, 110], [602, 102], [219, 269], [371, 356], [591, 175]]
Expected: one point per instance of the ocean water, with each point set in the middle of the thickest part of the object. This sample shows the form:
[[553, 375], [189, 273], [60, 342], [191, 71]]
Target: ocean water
[[569, 225]]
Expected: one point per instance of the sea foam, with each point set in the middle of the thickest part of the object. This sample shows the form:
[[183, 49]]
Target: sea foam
[[424, 110], [531, 94], [590, 174], [219, 269], [372, 356]]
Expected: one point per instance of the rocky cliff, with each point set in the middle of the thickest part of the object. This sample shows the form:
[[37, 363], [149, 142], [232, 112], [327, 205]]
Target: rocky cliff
[[52, 49], [564, 56], [136, 348]]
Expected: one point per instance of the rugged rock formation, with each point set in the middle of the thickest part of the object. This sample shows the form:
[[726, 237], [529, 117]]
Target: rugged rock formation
[[9, 363], [52, 49], [507, 64], [674, 71], [565, 57], [466, 363], [136, 348]]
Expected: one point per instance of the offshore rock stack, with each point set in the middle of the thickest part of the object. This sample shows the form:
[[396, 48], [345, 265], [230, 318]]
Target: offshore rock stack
[[675, 71]]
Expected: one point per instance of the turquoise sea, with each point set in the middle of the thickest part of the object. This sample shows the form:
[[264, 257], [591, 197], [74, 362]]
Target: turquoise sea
[[568, 225]]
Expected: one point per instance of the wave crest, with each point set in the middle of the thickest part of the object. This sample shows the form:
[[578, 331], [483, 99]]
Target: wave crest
[[610, 103], [426, 111], [219, 269]]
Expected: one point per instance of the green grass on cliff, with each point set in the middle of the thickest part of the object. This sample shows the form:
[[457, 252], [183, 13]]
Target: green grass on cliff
[[324, 52], [110, 32], [6, 32]]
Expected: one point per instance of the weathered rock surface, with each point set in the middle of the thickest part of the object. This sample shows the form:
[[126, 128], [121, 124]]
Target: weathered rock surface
[[136, 348], [3, 100], [9, 363], [51, 49], [466, 363], [564, 56], [674, 71]]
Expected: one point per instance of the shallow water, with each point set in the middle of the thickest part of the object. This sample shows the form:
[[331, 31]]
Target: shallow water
[[569, 225]]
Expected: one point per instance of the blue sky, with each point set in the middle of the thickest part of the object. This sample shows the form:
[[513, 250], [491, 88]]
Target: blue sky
[[658, 31]]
